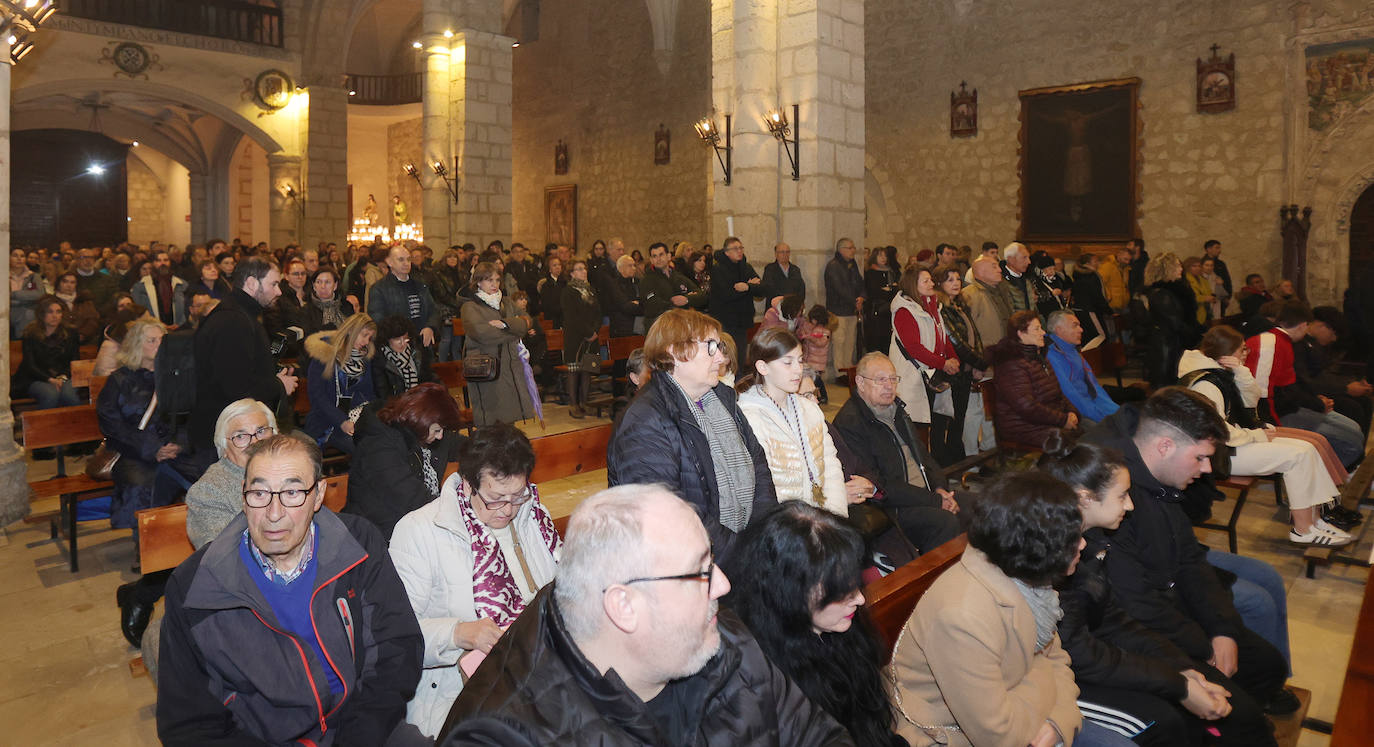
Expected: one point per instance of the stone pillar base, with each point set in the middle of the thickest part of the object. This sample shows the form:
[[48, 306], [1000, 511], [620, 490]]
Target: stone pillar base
[[14, 488]]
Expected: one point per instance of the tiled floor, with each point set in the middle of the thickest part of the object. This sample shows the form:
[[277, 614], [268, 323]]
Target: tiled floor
[[66, 677]]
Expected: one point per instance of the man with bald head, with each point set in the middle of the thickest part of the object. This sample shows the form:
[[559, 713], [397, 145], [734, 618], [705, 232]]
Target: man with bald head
[[781, 277], [399, 294], [626, 646], [988, 307]]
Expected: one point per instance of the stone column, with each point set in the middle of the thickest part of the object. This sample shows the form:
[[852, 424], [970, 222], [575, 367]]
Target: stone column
[[776, 53], [283, 214], [436, 205], [480, 93], [200, 208], [326, 164], [14, 489]]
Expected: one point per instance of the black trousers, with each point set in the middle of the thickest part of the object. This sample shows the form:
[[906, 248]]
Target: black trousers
[[947, 433], [1245, 726]]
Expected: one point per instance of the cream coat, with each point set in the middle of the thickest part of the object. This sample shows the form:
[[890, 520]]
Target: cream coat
[[433, 555], [912, 387], [967, 657], [785, 458]]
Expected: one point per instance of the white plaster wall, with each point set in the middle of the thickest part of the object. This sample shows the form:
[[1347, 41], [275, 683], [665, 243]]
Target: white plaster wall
[[368, 170]]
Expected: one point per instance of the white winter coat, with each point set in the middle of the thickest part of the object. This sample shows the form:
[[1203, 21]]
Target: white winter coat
[[786, 460], [433, 555]]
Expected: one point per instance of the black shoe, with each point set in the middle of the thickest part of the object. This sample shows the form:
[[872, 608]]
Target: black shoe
[[133, 615], [1284, 703], [1342, 513]]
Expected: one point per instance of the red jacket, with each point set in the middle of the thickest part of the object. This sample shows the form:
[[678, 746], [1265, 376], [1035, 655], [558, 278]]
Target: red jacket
[[1269, 356]]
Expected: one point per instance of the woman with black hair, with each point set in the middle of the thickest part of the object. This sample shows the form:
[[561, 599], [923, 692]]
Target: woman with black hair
[[880, 280], [980, 662], [796, 584], [1130, 678], [400, 363]]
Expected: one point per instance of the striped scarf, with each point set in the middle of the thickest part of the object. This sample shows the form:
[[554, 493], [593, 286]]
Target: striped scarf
[[730, 458]]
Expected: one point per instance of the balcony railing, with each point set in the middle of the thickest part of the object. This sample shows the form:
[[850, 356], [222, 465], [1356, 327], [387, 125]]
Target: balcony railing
[[386, 90], [225, 19]]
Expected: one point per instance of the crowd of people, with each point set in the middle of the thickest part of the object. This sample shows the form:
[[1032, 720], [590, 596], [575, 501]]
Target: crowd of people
[[714, 591]]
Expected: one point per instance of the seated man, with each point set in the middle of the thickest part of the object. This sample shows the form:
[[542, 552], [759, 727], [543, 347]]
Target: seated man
[[291, 625], [1253, 295], [625, 646], [1314, 360], [1161, 574], [1076, 378], [907, 483]]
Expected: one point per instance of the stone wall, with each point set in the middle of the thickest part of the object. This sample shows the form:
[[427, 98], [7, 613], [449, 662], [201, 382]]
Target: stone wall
[[402, 146], [1203, 175], [147, 221], [592, 80]]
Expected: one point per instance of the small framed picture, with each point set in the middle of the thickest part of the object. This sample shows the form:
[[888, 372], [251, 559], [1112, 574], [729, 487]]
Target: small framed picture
[[1216, 83], [963, 112]]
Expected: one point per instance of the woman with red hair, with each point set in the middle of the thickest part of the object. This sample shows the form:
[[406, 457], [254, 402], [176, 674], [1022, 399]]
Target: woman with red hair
[[403, 447]]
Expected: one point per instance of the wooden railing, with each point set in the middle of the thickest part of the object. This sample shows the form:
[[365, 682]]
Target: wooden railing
[[385, 90], [225, 19]]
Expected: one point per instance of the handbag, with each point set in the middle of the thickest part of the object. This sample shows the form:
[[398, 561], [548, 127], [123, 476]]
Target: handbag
[[480, 367], [101, 464], [937, 381]]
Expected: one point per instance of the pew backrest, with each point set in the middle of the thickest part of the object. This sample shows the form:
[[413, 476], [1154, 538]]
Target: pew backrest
[[336, 492], [60, 426], [570, 453], [892, 598], [163, 542]]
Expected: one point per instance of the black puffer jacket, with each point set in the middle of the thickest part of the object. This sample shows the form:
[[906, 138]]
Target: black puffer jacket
[[386, 480], [1157, 568], [659, 441], [536, 688], [733, 308], [1106, 645]]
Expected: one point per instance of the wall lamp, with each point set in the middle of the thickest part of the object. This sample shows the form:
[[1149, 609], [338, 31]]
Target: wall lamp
[[452, 183], [709, 134], [777, 124], [414, 173]]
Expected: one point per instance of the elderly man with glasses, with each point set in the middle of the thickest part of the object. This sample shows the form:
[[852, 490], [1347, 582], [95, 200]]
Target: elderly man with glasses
[[626, 646], [291, 626], [907, 482]]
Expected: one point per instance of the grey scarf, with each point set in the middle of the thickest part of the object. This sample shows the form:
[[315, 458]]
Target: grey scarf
[[1044, 605], [331, 315], [734, 467]]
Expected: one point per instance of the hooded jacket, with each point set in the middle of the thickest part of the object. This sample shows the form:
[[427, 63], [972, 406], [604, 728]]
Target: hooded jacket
[[230, 674], [537, 688], [327, 393], [1030, 405]]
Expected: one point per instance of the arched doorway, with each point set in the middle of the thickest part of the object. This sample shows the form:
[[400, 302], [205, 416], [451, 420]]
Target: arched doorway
[[1362, 237]]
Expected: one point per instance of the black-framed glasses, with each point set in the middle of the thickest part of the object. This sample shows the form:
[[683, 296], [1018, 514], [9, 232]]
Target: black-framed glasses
[[697, 576], [288, 498], [241, 440], [502, 501], [713, 345]]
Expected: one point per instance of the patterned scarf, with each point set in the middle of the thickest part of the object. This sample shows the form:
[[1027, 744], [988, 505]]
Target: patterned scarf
[[355, 365], [405, 363], [495, 594], [331, 315], [428, 472], [730, 458], [583, 288]]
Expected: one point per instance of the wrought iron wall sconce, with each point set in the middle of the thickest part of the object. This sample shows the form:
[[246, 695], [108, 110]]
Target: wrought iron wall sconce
[[778, 125], [452, 183], [710, 134], [410, 171]]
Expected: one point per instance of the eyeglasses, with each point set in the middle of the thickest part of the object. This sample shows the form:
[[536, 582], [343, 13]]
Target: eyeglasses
[[697, 576], [242, 440], [502, 501], [883, 380], [713, 346], [288, 498]]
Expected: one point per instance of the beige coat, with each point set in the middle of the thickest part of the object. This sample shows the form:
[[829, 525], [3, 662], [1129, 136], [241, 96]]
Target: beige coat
[[974, 635]]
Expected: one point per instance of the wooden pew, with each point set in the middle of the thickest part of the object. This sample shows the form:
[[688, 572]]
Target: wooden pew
[[458, 327], [571, 453], [892, 598], [162, 536], [97, 384], [1354, 716], [58, 428], [82, 371]]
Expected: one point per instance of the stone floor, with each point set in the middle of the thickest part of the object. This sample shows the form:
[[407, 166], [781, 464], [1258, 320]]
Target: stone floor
[[67, 677]]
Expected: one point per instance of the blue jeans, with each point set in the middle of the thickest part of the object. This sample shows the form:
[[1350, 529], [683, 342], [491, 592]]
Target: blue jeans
[[1098, 736], [1260, 598], [49, 396], [1344, 434]]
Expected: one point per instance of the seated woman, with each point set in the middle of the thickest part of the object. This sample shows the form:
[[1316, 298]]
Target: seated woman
[[685, 430], [403, 445], [790, 429], [980, 662], [399, 363], [49, 346], [795, 581], [1215, 371], [124, 412], [471, 561], [1030, 406], [1131, 679], [339, 380], [217, 497]]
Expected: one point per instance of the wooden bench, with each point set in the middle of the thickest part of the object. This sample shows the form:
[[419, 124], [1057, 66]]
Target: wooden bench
[[892, 598], [58, 428], [1354, 716]]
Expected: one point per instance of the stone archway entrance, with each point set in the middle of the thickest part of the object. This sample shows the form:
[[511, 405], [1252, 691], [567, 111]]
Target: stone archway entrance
[[1362, 236]]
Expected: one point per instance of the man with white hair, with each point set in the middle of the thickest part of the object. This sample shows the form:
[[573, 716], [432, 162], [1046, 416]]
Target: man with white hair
[[217, 497], [626, 647], [1076, 378], [1017, 282]]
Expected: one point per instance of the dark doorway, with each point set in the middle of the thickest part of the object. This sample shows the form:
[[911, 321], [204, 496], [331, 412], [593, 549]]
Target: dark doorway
[[1362, 235], [1359, 295], [68, 185]]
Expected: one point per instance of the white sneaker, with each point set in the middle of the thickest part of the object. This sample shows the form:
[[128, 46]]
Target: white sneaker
[[1317, 538], [1322, 525]]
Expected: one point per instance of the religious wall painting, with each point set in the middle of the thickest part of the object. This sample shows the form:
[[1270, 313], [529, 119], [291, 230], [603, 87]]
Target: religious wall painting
[[560, 215], [1216, 83], [1339, 77], [1078, 162], [963, 112], [560, 158], [662, 146]]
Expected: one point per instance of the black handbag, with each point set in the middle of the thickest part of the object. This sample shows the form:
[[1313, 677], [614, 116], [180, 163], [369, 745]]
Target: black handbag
[[480, 367]]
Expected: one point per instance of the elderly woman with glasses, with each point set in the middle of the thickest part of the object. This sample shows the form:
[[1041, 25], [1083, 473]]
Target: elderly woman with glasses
[[471, 561], [685, 430], [217, 497]]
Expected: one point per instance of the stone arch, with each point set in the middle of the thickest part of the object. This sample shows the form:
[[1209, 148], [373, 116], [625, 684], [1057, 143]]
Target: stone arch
[[171, 93], [879, 199], [1340, 170]]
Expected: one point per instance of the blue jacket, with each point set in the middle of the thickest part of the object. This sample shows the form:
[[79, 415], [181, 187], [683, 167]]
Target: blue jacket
[[1077, 381]]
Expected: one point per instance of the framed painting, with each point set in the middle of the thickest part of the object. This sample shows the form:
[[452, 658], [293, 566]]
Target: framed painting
[[560, 215], [1216, 83], [1079, 162]]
